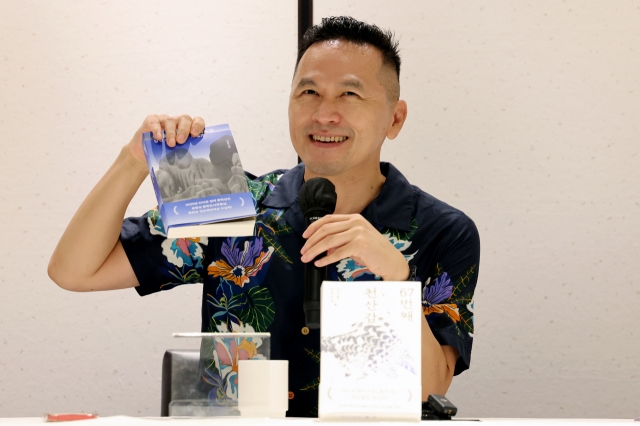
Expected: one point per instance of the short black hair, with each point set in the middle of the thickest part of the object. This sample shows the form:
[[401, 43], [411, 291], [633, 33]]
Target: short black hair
[[348, 29]]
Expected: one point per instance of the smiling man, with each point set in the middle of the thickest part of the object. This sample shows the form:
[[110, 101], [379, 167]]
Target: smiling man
[[344, 103]]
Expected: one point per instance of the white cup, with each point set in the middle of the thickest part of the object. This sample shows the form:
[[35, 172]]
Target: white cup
[[263, 388]]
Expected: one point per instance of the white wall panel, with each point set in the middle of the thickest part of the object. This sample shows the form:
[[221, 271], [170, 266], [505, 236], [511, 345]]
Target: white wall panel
[[76, 80], [525, 116]]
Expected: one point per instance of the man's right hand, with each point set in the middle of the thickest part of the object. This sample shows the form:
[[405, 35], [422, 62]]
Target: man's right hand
[[177, 129], [90, 257]]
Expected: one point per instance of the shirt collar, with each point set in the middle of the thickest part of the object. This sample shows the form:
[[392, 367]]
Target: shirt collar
[[392, 207]]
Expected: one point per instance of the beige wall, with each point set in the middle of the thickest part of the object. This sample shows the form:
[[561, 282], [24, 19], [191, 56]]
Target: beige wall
[[523, 115], [526, 115]]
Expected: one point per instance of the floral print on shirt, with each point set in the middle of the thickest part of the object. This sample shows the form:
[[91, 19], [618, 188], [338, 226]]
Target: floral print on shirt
[[442, 297], [183, 256], [239, 299]]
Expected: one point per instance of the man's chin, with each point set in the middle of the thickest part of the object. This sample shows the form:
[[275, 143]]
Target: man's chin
[[323, 169]]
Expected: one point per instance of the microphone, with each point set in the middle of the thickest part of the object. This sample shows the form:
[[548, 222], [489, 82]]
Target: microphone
[[317, 199]]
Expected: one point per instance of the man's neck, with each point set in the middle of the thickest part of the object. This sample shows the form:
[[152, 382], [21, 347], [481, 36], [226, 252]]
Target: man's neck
[[355, 190]]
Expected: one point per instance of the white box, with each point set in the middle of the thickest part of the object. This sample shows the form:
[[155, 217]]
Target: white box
[[370, 351], [263, 388]]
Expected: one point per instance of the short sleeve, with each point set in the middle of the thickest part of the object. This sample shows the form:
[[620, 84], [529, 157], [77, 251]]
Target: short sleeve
[[447, 297], [158, 262]]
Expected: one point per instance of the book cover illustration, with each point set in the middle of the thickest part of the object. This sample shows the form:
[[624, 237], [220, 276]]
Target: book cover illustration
[[201, 181], [370, 350]]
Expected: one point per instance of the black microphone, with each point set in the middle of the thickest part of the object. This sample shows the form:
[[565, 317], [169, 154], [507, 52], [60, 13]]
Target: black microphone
[[317, 199]]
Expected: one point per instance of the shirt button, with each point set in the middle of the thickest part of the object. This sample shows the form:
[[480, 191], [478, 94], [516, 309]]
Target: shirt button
[[305, 330], [290, 395]]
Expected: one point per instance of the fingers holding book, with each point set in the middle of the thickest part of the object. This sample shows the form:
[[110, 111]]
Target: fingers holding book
[[177, 129]]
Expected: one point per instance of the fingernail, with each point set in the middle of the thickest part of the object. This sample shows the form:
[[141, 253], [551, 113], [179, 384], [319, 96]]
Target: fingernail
[[304, 258], [158, 136]]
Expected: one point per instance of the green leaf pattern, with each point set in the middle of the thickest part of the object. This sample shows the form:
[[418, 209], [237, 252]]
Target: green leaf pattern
[[260, 311]]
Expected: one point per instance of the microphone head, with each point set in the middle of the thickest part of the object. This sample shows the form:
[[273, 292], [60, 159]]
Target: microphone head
[[317, 197]]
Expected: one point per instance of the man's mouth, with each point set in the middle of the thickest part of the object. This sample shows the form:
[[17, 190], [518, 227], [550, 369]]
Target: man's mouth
[[328, 139]]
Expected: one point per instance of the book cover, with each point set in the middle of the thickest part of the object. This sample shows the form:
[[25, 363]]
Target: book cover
[[370, 360], [200, 185]]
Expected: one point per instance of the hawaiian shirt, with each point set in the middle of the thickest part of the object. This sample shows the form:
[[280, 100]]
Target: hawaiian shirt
[[256, 283]]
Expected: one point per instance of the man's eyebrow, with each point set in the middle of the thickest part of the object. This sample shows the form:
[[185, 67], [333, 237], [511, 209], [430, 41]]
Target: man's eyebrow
[[306, 82], [356, 84]]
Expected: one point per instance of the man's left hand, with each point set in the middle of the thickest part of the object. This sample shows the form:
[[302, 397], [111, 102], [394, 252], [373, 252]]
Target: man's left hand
[[351, 235]]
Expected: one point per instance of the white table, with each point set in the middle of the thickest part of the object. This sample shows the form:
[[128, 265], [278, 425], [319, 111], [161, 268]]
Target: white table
[[237, 421]]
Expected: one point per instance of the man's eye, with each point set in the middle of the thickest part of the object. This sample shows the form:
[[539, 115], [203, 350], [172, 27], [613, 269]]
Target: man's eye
[[350, 94], [309, 92]]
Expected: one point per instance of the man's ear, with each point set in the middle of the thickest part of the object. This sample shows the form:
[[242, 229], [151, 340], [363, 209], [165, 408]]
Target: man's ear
[[399, 117]]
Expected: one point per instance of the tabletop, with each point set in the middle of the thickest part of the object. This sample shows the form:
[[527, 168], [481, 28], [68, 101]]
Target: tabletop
[[244, 421]]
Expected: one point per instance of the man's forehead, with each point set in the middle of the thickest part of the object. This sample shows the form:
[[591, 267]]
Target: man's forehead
[[341, 50], [352, 61]]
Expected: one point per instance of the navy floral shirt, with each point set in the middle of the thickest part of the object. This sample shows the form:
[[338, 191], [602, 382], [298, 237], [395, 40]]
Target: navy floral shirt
[[256, 283]]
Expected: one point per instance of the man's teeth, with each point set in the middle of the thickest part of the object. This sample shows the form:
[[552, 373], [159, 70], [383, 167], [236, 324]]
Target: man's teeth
[[329, 138]]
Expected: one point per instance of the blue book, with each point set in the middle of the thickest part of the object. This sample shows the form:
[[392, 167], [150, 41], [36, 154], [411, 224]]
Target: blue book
[[200, 185]]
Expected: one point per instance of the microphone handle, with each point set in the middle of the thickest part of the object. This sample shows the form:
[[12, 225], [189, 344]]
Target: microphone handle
[[313, 277]]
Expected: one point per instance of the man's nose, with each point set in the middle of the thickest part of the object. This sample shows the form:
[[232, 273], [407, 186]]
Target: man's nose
[[326, 113]]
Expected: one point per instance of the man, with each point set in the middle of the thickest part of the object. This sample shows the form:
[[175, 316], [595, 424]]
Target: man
[[344, 102]]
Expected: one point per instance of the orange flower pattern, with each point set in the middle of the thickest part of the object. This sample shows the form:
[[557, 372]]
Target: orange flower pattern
[[242, 264]]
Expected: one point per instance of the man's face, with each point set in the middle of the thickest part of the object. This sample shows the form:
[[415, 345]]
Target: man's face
[[339, 113]]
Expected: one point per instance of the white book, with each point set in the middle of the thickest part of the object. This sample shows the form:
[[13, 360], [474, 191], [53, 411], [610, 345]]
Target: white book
[[370, 351]]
